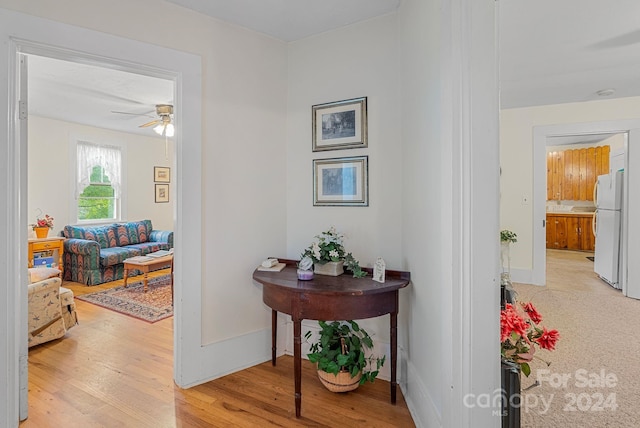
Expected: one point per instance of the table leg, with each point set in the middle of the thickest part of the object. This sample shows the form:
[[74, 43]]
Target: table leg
[[394, 348], [145, 279], [126, 276], [297, 363], [274, 335]]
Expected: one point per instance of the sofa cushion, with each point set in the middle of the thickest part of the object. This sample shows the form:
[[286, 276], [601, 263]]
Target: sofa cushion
[[113, 256], [74, 232], [122, 234], [133, 232], [150, 247], [103, 235]]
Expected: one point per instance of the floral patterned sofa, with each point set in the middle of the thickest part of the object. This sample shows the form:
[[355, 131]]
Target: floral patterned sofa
[[95, 254]]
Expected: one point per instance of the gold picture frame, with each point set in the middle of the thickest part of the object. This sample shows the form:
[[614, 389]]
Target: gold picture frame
[[162, 193], [162, 174]]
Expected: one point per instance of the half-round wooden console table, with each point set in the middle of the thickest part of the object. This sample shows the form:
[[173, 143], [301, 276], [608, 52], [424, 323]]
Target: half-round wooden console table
[[329, 298]]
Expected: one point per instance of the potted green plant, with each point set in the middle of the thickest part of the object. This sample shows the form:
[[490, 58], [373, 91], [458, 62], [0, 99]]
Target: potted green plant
[[340, 356], [329, 256]]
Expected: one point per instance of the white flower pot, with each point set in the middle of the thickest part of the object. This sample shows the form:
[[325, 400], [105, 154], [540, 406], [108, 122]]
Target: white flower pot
[[329, 268]]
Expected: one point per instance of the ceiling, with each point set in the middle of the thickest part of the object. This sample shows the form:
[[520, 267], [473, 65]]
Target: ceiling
[[291, 20], [88, 95], [550, 52], [554, 52]]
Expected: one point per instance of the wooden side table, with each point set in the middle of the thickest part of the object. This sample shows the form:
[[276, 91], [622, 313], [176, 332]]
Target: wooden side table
[[47, 244], [329, 298]]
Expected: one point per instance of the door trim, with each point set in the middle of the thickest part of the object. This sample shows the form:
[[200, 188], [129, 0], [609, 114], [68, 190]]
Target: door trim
[[540, 135]]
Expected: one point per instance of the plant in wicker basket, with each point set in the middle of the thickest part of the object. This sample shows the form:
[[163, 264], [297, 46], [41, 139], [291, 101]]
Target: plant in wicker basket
[[340, 356]]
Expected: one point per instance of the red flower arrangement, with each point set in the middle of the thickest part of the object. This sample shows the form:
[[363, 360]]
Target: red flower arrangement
[[47, 221], [520, 333]]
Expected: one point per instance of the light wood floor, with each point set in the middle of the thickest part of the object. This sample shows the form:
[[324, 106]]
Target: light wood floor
[[115, 371]]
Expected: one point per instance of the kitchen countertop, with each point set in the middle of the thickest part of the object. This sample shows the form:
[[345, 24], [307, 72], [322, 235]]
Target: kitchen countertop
[[569, 214]]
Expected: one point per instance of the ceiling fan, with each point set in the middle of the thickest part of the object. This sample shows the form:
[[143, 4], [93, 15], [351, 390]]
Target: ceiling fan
[[163, 125]]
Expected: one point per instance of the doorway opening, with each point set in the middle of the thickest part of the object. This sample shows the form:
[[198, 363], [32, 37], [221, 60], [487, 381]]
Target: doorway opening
[[576, 136], [574, 165], [101, 103]]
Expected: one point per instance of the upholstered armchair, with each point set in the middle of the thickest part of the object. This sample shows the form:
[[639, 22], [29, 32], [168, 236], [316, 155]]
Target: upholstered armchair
[[52, 311]]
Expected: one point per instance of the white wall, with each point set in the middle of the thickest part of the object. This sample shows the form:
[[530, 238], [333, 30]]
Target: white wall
[[516, 150], [356, 61], [51, 174], [257, 97], [244, 91], [426, 233]]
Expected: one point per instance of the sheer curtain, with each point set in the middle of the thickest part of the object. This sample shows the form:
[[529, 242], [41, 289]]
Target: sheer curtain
[[91, 155]]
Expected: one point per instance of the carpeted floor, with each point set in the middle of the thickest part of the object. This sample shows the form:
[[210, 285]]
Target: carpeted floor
[[152, 306], [593, 380]]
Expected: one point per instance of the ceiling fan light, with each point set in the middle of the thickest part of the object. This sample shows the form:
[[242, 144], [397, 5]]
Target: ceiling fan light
[[170, 130], [159, 128]]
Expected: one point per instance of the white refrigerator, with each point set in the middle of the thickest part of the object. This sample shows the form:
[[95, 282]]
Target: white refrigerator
[[607, 221]]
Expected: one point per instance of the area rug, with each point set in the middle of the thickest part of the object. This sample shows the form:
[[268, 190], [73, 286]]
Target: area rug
[[152, 306]]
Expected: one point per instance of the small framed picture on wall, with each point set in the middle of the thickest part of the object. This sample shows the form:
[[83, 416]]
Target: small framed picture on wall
[[341, 182], [161, 174], [340, 125], [162, 193]]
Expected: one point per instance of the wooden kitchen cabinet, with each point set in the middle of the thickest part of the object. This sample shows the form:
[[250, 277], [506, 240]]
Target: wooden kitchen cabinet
[[570, 231], [571, 174], [556, 231]]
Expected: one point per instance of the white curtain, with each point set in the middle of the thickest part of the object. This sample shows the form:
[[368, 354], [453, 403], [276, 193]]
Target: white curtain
[[91, 155]]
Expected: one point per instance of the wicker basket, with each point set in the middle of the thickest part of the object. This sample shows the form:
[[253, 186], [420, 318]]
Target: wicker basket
[[342, 382]]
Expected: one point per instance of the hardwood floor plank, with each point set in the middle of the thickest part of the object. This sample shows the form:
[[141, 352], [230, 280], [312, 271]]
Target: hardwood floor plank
[[112, 370]]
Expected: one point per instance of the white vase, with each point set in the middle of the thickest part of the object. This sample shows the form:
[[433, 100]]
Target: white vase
[[329, 268], [505, 261]]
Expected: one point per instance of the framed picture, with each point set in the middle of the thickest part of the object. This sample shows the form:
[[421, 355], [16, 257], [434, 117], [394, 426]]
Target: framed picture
[[161, 174], [162, 193], [340, 125], [341, 182]]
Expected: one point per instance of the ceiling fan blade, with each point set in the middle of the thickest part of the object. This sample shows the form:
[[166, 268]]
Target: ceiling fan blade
[[153, 122]]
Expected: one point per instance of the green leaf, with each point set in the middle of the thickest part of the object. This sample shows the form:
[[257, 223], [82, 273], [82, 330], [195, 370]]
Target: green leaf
[[526, 370], [354, 371], [332, 367], [342, 359]]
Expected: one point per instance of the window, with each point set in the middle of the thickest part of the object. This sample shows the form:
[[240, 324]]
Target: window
[[98, 182]]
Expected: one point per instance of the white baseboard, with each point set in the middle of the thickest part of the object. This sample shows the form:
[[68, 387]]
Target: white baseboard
[[522, 276], [421, 406], [228, 356]]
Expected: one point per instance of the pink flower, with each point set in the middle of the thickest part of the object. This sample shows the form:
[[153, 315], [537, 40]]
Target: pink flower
[[520, 334], [532, 312], [511, 322], [548, 339]]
